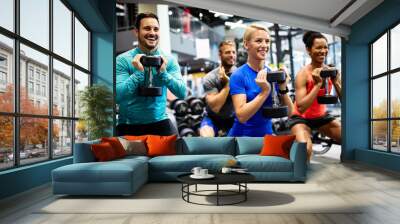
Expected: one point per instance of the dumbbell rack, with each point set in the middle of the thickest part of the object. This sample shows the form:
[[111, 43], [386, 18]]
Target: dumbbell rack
[[188, 115]]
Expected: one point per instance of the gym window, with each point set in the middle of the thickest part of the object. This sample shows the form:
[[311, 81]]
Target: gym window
[[385, 96], [44, 63]]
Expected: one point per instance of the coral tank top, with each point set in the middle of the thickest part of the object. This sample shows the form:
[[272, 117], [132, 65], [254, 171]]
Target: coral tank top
[[316, 110]]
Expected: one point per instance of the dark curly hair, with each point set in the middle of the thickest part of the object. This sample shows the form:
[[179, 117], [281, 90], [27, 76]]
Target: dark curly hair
[[310, 36], [141, 16]]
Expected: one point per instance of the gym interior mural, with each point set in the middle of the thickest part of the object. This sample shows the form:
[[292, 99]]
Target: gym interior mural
[[193, 37]]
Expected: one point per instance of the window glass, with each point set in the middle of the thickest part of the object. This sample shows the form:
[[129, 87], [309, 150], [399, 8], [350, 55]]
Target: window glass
[[62, 91], [395, 136], [379, 56], [34, 144], [35, 21], [62, 138], [395, 47], [379, 98], [62, 29], [81, 81], [39, 62], [6, 74], [379, 135], [81, 131], [81, 45], [6, 142], [395, 95], [7, 14]]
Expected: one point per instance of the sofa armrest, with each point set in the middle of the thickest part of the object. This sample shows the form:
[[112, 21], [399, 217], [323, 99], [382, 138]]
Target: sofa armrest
[[83, 152], [298, 155]]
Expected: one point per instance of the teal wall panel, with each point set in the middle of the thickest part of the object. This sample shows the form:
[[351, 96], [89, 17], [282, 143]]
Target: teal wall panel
[[379, 159], [24, 178]]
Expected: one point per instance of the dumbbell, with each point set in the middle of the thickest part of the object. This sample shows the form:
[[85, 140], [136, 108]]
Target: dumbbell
[[185, 130], [326, 74], [196, 105], [179, 106], [148, 63], [276, 111], [179, 119], [189, 119], [196, 121]]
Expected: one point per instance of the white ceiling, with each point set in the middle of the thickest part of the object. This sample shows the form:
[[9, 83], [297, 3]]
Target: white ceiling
[[319, 15]]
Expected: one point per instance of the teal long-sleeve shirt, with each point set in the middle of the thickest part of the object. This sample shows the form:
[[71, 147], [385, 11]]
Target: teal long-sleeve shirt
[[135, 109]]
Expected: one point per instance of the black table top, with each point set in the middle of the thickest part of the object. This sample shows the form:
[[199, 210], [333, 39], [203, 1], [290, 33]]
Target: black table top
[[220, 178]]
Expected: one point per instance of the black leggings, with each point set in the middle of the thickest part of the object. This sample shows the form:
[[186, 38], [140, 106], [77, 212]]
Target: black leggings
[[163, 128]]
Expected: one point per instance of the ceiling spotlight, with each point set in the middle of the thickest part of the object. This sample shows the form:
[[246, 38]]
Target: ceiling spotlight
[[217, 14], [170, 12], [234, 25]]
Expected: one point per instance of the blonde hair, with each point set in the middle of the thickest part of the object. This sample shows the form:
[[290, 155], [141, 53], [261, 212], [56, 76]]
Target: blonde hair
[[251, 29]]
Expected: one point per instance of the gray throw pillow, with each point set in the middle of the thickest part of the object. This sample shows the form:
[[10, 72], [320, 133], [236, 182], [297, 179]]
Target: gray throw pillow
[[135, 147]]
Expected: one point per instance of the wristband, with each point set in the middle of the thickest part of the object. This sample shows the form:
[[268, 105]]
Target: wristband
[[282, 92]]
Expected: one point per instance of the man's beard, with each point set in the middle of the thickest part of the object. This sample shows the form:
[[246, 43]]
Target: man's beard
[[226, 64], [142, 42]]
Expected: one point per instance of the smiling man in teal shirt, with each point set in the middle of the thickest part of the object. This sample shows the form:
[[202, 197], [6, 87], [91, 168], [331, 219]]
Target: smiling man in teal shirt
[[140, 115]]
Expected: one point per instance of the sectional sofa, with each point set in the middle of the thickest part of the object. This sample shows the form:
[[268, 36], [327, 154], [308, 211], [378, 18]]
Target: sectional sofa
[[125, 176]]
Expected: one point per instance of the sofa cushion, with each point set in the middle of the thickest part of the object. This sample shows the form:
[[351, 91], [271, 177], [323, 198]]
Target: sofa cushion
[[116, 145], [277, 145], [118, 177], [97, 172], [161, 145], [206, 145], [257, 163], [129, 159], [249, 145], [103, 152], [185, 163], [133, 147], [134, 137]]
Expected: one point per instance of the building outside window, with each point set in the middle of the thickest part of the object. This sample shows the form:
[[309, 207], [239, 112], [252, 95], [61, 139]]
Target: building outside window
[[38, 89], [3, 61], [30, 87], [3, 78], [43, 90], [30, 72], [43, 78], [3, 72]]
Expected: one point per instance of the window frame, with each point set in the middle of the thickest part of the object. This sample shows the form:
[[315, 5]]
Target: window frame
[[388, 74], [18, 40]]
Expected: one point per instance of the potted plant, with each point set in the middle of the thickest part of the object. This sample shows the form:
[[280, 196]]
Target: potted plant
[[96, 102]]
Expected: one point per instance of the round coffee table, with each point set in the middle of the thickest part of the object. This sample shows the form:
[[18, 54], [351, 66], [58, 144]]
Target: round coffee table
[[238, 179]]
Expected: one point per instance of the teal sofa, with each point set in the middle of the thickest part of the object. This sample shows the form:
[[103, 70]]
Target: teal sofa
[[125, 176]]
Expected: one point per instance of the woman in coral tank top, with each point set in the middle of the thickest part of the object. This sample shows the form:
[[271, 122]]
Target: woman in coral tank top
[[308, 114]]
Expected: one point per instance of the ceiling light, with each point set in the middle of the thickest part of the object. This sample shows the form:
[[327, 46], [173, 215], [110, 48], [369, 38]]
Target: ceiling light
[[234, 25], [217, 14], [120, 6]]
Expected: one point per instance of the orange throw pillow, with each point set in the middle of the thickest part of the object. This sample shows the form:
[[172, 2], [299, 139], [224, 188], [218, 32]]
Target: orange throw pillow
[[142, 138], [116, 145], [277, 145], [103, 152], [161, 145]]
